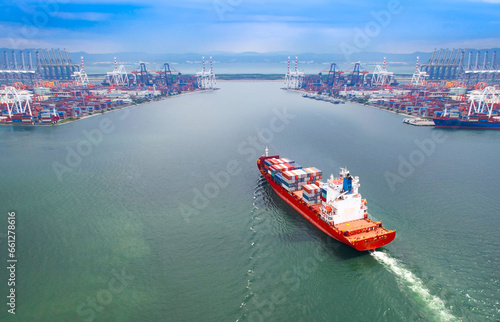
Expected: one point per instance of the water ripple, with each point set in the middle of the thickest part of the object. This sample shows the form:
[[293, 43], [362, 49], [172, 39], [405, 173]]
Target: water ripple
[[415, 284]]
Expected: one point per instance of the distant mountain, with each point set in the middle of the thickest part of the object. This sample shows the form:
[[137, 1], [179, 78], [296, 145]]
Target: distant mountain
[[248, 57], [103, 62], [253, 57]]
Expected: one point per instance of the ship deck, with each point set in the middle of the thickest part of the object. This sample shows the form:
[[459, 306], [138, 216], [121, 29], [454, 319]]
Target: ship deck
[[351, 226], [315, 207], [360, 229]]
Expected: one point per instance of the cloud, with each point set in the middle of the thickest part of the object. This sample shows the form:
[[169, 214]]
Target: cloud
[[18, 36], [254, 25], [276, 36], [268, 18], [87, 16]]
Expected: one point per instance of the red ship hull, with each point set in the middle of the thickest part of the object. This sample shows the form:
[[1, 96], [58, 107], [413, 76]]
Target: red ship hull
[[311, 213]]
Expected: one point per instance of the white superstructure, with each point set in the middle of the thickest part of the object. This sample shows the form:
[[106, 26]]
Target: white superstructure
[[343, 201]]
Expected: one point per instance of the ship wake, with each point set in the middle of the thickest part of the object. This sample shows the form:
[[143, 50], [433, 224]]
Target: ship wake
[[410, 280]]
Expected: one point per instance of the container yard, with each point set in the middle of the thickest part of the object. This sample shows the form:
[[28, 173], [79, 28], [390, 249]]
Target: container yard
[[51, 89], [447, 86], [439, 69], [43, 87]]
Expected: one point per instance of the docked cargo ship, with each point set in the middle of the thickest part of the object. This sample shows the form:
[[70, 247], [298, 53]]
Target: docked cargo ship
[[473, 121], [335, 206]]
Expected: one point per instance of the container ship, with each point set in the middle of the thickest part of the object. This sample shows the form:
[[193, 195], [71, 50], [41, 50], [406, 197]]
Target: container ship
[[335, 206], [473, 121]]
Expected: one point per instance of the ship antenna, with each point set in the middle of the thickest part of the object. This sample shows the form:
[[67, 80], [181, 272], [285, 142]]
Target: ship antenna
[[267, 151]]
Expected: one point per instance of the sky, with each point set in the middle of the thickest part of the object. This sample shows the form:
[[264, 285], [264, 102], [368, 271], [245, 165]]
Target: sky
[[306, 26]]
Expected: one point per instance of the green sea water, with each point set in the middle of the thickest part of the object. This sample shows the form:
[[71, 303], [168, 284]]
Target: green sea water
[[158, 213]]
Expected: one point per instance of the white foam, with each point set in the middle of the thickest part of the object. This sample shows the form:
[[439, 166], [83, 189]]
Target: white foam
[[415, 284]]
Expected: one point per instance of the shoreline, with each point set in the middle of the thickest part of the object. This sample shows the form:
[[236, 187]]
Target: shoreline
[[361, 104], [102, 113]]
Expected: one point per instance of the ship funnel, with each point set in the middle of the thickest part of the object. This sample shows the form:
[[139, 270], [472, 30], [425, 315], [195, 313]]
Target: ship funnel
[[348, 184]]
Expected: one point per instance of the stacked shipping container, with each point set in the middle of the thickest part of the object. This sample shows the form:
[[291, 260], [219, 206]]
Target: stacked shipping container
[[17, 117], [271, 162], [28, 119], [292, 177], [296, 179], [323, 195], [275, 167], [311, 194]]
